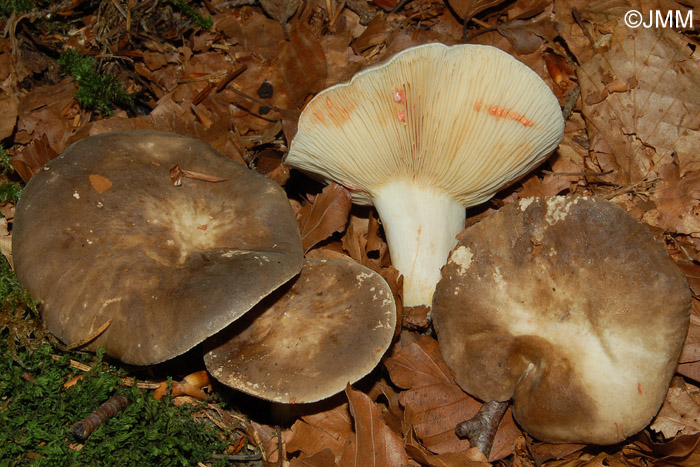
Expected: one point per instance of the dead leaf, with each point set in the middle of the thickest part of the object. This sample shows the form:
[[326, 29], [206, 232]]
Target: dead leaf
[[680, 451], [281, 10], [323, 430], [191, 385], [8, 114], [435, 404], [466, 9], [435, 401], [328, 214], [324, 458], [680, 412], [6, 241], [677, 201], [33, 157], [202, 176], [100, 183], [635, 131], [690, 356], [374, 444]]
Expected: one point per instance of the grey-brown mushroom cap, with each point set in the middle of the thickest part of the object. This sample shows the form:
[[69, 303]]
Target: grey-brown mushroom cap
[[570, 307], [305, 342], [170, 266]]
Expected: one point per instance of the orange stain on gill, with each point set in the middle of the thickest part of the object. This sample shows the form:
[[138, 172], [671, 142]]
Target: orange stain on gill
[[327, 113], [498, 111], [639, 388], [477, 105]]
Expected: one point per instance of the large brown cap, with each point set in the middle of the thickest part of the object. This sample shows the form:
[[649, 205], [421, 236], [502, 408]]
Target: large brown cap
[[102, 234], [570, 307], [305, 342]]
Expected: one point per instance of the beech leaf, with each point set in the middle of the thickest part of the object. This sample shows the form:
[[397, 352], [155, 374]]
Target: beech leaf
[[329, 214], [374, 443]]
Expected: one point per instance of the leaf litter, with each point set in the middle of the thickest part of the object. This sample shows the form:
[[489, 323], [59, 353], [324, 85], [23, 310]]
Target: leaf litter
[[631, 136]]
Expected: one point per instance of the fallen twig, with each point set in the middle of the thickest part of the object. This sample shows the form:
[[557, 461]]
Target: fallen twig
[[85, 427]]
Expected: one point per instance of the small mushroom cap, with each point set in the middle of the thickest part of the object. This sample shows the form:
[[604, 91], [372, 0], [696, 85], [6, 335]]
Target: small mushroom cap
[[570, 307], [102, 234], [308, 340], [466, 119]]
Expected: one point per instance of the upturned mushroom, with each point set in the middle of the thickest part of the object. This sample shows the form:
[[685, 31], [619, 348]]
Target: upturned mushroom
[[433, 130], [306, 341], [569, 307], [113, 250]]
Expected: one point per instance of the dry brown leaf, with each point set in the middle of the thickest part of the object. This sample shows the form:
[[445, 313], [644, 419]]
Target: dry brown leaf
[[33, 157], [8, 113], [680, 413], [281, 10], [680, 451], [302, 67], [191, 385], [466, 9], [379, 31], [435, 404], [677, 201], [355, 239], [100, 183], [656, 117], [550, 185], [543, 452], [433, 401], [528, 36], [6, 241], [374, 444], [328, 214], [324, 430], [324, 458]]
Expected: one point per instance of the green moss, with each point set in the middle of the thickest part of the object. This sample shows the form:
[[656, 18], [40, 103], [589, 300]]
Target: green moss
[[7, 7], [96, 91], [192, 14], [37, 412], [9, 191]]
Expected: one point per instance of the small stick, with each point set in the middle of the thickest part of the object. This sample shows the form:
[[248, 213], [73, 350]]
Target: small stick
[[85, 427], [571, 102], [579, 174], [91, 337], [579, 22], [481, 428], [237, 457], [280, 461]]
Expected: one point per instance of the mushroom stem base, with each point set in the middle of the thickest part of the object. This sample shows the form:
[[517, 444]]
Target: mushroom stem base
[[481, 428], [421, 224]]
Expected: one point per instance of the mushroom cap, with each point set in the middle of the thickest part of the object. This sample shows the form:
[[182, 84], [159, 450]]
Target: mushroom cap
[[305, 342], [467, 119], [569, 306], [102, 234]]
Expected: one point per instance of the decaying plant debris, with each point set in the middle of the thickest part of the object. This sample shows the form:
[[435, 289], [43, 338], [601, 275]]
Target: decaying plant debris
[[236, 74]]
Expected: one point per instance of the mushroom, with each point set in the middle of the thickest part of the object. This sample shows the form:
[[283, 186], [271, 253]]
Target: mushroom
[[105, 241], [570, 307], [306, 341], [426, 134]]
